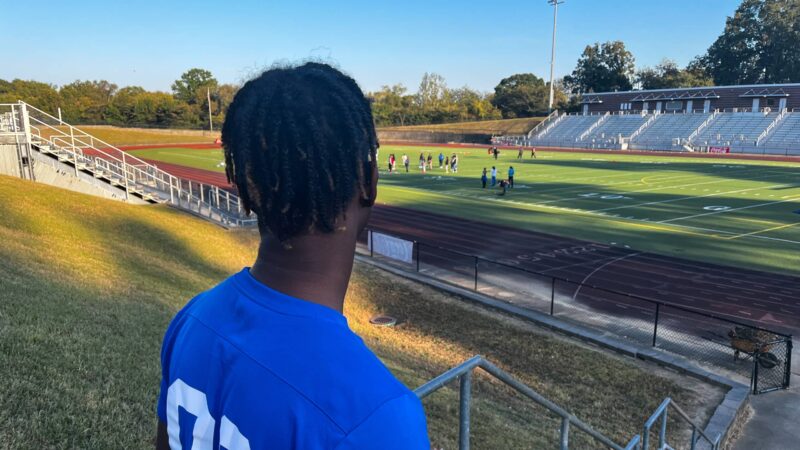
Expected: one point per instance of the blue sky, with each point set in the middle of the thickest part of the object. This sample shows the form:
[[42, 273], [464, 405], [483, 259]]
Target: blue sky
[[475, 43]]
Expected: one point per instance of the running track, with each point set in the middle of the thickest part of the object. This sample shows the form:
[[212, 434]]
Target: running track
[[766, 299]]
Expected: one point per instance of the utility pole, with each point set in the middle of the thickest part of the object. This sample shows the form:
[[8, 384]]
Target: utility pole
[[555, 4], [211, 124]]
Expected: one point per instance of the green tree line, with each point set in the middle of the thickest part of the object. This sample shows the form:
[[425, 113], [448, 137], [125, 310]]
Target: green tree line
[[103, 102]]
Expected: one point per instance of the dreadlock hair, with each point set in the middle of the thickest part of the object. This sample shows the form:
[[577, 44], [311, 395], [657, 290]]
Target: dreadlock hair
[[299, 143]]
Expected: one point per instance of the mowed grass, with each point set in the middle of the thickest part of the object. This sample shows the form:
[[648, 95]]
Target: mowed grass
[[733, 212], [88, 286], [136, 136]]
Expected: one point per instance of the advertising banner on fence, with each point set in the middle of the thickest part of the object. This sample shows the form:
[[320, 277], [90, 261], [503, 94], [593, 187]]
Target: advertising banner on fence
[[719, 149], [392, 247]]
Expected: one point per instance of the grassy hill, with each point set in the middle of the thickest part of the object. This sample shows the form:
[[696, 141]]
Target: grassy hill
[[506, 126], [136, 136], [88, 286]]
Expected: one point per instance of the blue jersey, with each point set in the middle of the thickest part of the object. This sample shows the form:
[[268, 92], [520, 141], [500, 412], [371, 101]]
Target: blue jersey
[[246, 367]]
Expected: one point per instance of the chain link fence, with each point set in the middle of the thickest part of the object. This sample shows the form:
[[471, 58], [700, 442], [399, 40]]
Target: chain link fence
[[763, 356]]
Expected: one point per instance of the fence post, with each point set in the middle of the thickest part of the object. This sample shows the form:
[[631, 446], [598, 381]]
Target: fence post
[[417, 245], [788, 372], [655, 325], [465, 399], [476, 273], [552, 295], [754, 379], [564, 433]]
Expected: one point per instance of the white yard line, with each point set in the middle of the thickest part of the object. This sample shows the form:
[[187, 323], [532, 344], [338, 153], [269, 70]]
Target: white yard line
[[183, 155], [535, 206], [695, 196], [729, 210]]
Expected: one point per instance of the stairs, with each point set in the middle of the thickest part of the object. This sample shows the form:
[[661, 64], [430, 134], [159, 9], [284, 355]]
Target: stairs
[[81, 154]]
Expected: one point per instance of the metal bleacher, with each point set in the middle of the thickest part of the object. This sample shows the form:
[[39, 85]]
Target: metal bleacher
[[784, 137], [668, 129], [738, 130], [567, 130], [762, 132], [614, 129]]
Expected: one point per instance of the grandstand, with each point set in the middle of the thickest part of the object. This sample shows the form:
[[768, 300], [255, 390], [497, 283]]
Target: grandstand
[[761, 119]]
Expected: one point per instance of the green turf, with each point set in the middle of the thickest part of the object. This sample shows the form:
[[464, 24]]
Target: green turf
[[208, 159], [727, 211]]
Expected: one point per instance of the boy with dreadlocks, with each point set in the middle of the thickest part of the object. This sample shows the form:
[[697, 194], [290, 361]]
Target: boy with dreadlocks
[[266, 359]]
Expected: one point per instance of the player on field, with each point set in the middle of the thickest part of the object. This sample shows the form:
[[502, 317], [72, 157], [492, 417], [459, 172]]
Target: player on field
[[519, 154], [511, 177], [494, 176], [533, 152], [441, 159], [483, 178], [503, 186], [266, 360], [447, 164], [405, 161]]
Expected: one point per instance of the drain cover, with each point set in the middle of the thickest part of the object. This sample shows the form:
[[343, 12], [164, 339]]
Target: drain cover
[[383, 321]]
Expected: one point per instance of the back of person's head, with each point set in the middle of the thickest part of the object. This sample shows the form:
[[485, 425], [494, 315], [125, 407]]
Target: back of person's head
[[300, 144]]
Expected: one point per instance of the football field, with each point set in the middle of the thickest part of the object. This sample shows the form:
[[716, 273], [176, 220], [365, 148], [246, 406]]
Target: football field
[[744, 213]]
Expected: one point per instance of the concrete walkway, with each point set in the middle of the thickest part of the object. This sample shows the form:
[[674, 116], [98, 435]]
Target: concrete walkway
[[775, 421]]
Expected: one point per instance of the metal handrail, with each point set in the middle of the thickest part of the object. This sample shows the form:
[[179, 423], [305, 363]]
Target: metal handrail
[[464, 373], [594, 126], [645, 125], [772, 125], [661, 413], [705, 123], [542, 123]]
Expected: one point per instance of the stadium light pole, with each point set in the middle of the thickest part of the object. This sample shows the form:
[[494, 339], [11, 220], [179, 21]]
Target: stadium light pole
[[210, 123], [555, 4]]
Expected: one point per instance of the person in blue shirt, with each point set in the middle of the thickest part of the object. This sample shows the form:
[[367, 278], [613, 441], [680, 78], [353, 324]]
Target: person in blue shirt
[[510, 177], [483, 178], [441, 159], [266, 360]]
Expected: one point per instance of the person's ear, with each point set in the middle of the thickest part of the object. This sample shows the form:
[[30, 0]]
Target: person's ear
[[371, 174]]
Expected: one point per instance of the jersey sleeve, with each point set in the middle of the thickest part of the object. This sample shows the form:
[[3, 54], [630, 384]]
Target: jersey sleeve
[[398, 424]]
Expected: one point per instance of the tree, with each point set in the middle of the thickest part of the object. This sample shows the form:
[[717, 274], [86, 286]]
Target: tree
[[41, 95], [667, 75], [431, 90], [192, 85], [86, 101], [121, 110], [603, 68], [524, 95], [391, 105], [758, 45]]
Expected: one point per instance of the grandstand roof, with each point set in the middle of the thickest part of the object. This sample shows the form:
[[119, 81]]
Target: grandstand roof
[[704, 88]]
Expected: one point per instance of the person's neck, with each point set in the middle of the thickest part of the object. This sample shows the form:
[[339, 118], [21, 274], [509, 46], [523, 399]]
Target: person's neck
[[316, 267]]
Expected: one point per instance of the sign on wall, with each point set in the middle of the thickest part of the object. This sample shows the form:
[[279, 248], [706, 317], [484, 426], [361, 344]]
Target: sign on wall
[[392, 247]]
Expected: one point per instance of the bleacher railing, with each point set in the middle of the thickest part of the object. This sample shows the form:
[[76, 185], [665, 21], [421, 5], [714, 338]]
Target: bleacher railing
[[83, 151], [749, 351]]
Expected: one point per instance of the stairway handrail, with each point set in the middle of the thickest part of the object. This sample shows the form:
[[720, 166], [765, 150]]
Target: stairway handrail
[[464, 373], [541, 124], [661, 413], [769, 128], [594, 126]]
